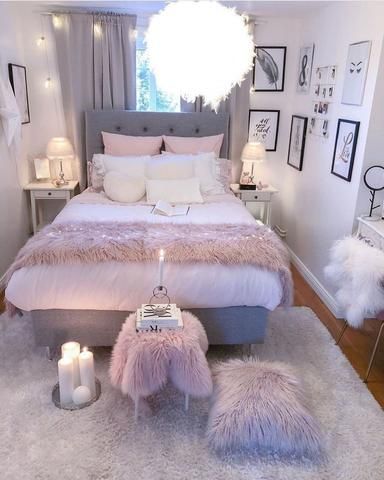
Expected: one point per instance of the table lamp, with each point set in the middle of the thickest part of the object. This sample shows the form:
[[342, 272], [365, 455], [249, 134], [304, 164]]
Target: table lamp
[[60, 149], [253, 152]]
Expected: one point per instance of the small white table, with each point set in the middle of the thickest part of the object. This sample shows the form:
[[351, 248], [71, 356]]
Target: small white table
[[372, 232], [263, 196], [47, 191]]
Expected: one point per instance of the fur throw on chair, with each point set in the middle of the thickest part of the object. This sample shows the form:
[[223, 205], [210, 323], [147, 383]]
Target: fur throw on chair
[[357, 271], [142, 361]]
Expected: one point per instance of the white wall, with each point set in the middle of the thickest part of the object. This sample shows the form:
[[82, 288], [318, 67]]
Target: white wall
[[20, 26], [316, 208]]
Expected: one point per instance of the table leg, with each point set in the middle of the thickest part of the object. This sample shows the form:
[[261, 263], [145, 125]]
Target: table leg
[[33, 208], [268, 214]]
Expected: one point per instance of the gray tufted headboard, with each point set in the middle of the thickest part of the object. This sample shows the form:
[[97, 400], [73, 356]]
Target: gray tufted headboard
[[126, 122]]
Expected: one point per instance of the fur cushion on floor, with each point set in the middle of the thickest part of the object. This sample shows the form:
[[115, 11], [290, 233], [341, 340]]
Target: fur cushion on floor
[[142, 362], [357, 271], [260, 405]]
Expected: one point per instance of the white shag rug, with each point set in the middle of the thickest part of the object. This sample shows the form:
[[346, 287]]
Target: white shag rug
[[39, 441]]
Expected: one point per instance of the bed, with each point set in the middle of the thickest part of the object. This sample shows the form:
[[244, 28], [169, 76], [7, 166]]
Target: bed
[[90, 302]]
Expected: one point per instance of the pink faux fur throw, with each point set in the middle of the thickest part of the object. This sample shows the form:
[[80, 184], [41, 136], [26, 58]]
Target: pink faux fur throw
[[142, 362], [90, 242]]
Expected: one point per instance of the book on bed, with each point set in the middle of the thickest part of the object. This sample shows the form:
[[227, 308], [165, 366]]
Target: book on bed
[[165, 208]]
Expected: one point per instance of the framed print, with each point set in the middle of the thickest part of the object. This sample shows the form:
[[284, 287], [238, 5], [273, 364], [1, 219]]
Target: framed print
[[18, 79], [356, 73], [304, 73], [297, 141], [269, 69], [263, 126], [345, 148]]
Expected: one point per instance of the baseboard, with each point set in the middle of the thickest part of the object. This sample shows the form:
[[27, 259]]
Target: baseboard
[[320, 290]]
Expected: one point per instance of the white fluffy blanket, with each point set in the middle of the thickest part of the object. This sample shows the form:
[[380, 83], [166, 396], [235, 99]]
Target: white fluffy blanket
[[357, 271]]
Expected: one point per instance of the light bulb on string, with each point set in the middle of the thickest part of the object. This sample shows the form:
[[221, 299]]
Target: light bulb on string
[[56, 21], [48, 82], [40, 41]]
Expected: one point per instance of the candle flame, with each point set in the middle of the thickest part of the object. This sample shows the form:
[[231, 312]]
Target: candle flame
[[85, 349], [162, 253]]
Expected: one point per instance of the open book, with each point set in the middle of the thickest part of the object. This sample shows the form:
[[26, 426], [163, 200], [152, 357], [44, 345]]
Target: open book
[[165, 208]]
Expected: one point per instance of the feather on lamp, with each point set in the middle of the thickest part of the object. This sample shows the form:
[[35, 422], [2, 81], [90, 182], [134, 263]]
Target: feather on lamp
[[253, 152]]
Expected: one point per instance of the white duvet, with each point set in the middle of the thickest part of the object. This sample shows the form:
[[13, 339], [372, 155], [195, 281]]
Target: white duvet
[[124, 286]]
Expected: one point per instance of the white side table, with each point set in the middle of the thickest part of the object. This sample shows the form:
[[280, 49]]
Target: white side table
[[263, 196], [47, 191]]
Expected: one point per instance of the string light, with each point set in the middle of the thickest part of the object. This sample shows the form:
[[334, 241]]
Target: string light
[[48, 82], [97, 31], [56, 20], [40, 41]]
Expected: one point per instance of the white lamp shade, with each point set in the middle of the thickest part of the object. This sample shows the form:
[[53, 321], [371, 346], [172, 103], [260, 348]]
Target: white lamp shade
[[59, 147], [253, 152]]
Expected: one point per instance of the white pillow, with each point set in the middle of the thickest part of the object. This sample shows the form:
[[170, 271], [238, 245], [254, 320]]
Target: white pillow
[[174, 191], [121, 187], [101, 164], [170, 167], [204, 168]]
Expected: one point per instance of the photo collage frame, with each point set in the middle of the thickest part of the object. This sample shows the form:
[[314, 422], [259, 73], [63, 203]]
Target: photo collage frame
[[323, 92]]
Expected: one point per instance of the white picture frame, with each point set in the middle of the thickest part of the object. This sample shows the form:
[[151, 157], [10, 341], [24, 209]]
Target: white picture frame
[[304, 72], [356, 73], [263, 126]]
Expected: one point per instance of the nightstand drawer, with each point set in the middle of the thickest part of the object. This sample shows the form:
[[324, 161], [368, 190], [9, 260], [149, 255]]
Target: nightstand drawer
[[255, 196], [50, 194]]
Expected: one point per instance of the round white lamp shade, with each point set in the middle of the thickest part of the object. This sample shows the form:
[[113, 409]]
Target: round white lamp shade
[[253, 152], [59, 148], [199, 49]]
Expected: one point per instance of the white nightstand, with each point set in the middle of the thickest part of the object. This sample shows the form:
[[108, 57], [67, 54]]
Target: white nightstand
[[46, 191], [263, 196]]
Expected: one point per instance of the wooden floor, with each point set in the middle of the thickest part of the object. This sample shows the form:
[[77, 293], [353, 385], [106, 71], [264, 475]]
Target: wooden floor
[[357, 345]]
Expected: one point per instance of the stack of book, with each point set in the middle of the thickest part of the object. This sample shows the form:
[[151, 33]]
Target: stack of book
[[148, 320]]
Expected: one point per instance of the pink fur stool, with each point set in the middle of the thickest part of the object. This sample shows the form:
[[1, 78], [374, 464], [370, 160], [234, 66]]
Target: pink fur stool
[[142, 362]]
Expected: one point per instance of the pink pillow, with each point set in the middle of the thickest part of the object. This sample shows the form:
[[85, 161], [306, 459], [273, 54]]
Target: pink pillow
[[122, 145], [194, 145]]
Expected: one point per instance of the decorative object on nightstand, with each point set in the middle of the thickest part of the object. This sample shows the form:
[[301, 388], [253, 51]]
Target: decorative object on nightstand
[[263, 197], [253, 152], [374, 181], [60, 149], [45, 191]]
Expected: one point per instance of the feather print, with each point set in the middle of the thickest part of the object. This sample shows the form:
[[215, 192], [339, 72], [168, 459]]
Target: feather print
[[268, 65]]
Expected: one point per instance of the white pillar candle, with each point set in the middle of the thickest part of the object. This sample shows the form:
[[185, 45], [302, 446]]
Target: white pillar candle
[[66, 387], [161, 267], [87, 370], [72, 350]]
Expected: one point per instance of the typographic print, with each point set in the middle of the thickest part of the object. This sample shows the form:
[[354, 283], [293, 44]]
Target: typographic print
[[305, 69]]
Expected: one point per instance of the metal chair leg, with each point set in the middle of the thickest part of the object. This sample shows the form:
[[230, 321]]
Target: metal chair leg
[[342, 332], [373, 353]]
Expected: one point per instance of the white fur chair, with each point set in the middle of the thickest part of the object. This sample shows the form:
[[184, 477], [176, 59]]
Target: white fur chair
[[357, 271]]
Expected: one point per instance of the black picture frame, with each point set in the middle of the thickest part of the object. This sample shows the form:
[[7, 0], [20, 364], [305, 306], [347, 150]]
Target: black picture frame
[[251, 138], [303, 133], [266, 67], [18, 78], [345, 148]]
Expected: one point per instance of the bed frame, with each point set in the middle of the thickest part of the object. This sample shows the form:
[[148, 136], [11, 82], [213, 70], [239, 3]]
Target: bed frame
[[230, 325]]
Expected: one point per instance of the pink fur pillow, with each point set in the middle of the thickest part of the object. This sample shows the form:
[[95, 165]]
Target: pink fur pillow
[[194, 145], [261, 405], [123, 145]]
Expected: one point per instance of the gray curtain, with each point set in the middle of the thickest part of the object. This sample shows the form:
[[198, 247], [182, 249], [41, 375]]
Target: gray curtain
[[237, 105], [96, 56]]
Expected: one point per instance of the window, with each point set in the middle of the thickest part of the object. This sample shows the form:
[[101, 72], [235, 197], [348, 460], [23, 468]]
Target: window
[[148, 97]]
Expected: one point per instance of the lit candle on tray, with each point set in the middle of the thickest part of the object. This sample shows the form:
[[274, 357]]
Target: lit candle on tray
[[87, 370], [66, 387], [161, 267], [72, 350]]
